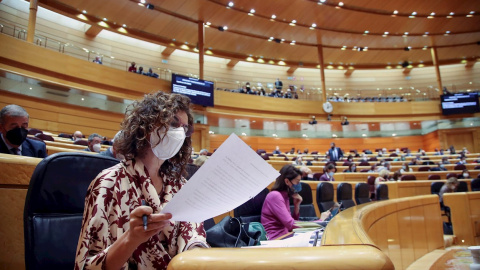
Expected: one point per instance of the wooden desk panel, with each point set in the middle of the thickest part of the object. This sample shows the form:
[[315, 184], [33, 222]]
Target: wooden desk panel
[[347, 257], [465, 210]]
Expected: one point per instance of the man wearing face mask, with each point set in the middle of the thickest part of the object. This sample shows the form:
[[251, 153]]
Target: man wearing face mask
[[13, 127], [155, 141], [276, 217], [110, 152], [335, 153], [94, 143]]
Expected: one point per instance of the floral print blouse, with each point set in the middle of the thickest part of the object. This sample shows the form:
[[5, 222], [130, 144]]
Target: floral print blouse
[[110, 198]]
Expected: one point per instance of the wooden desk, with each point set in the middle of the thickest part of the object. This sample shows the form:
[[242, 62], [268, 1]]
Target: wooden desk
[[465, 210]]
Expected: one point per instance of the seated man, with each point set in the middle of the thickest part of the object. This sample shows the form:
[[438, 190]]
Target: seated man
[[77, 135], [13, 134], [277, 150], [203, 152], [94, 141], [110, 152]]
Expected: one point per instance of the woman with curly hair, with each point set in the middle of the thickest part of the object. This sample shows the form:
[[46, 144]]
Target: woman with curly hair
[[155, 141]]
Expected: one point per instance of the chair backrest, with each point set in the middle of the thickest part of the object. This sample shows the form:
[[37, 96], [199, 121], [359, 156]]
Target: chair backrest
[[459, 167], [252, 209], [344, 195], [314, 153], [408, 177], [373, 159], [325, 196], [44, 137], [317, 176], [382, 192], [362, 193], [364, 163], [34, 131], [424, 169], [462, 186], [434, 177], [81, 142], [364, 170], [476, 167], [475, 184], [191, 170], [54, 207], [435, 187], [452, 174], [393, 155]]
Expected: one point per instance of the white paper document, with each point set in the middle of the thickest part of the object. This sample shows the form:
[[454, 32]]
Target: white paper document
[[231, 176]]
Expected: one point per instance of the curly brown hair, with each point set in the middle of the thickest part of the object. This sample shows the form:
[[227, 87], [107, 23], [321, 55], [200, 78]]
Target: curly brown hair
[[142, 117]]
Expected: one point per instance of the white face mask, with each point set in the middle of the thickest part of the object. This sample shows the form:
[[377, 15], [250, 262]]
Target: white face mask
[[170, 145], [96, 147], [466, 175]]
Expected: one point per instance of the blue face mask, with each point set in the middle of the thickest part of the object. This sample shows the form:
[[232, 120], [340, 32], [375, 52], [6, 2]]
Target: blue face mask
[[297, 188], [331, 174]]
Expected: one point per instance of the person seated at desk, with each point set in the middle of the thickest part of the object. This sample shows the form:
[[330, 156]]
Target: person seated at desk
[[329, 172], [382, 177], [445, 160], [306, 173], [277, 150], [464, 175], [276, 217], [351, 168], [13, 134], [405, 168], [440, 167], [462, 161], [413, 162], [156, 144], [449, 187], [299, 161]]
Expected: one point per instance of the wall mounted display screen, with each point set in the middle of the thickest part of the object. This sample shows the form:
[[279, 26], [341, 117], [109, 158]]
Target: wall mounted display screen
[[460, 103], [199, 91]]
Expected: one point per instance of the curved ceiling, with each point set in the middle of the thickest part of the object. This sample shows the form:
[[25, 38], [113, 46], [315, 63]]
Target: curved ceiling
[[363, 34]]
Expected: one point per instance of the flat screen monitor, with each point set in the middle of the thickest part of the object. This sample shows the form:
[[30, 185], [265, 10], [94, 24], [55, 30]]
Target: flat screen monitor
[[199, 91], [460, 103]]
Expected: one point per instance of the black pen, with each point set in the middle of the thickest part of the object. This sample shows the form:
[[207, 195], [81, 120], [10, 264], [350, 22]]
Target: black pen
[[144, 217], [316, 239]]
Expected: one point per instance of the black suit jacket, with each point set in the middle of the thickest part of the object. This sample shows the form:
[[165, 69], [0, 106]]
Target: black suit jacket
[[30, 148], [339, 154]]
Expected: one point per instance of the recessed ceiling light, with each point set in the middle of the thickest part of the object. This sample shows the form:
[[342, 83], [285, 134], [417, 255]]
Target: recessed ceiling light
[[274, 16], [452, 13], [208, 23], [366, 32], [314, 25], [252, 10], [395, 12], [105, 19], [84, 11], [414, 13], [142, 1], [124, 25], [340, 4], [230, 4]]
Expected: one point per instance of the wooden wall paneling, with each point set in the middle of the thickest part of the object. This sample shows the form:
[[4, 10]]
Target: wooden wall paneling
[[460, 137], [431, 141]]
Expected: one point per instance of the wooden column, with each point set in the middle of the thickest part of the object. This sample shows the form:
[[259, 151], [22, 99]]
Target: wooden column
[[201, 49], [437, 69], [322, 71], [32, 20]]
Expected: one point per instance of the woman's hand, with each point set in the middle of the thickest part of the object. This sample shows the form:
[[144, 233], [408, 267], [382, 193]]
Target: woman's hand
[[155, 223], [297, 199], [325, 215], [126, 244]]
